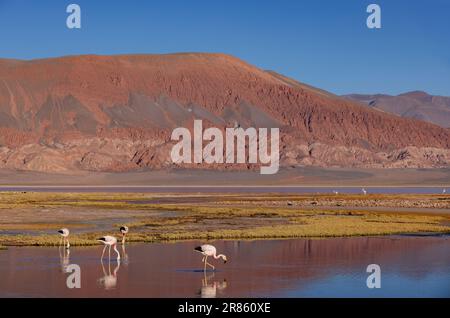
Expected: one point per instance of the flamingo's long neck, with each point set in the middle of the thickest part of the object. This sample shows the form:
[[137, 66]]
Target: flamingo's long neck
[[218, 256]]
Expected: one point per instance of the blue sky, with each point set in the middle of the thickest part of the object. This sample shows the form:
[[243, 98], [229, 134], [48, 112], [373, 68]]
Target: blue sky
[[319, 42]]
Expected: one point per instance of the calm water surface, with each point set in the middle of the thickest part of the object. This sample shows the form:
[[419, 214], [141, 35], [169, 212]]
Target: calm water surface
[[411, 267], [231, 189]]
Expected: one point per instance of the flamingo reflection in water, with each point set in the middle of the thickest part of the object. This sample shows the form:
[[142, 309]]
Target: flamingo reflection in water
[[109, 279], [64, 258], [210, 289], [124, 255]]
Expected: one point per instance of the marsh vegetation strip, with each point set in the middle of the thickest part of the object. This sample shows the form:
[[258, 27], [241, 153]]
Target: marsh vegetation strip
[[333, 267], [32, 218]]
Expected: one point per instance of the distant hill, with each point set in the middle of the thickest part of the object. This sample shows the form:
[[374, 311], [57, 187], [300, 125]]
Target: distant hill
[[116, 113], [417, 104]]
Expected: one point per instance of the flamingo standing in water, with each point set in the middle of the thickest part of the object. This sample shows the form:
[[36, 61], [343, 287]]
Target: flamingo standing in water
[[64, 237], [364, 191], [124, 230], [207, 251], [109, 241], [444, 191]]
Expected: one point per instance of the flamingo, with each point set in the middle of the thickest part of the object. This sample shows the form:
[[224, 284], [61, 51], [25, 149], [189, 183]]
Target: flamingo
[[64, 236], [109, 241], [444, 191], [364, 191], [124, 230], [207, 251], [335, 192]]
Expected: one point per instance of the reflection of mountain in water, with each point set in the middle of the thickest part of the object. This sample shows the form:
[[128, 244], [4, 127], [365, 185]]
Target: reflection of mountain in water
[[313, 255], [291, 261], [255, 268]]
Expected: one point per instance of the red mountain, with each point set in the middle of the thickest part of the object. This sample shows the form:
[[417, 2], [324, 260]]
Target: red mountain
[[116, 113]]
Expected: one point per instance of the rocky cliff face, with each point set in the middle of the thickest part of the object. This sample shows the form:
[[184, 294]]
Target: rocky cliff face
[[116, 113]]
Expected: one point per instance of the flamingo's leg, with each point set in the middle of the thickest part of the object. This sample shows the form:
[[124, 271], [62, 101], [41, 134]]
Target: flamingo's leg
[[204, 268], [212, 266], [103, 267], [109, 252], [103, 253], [60, 241]]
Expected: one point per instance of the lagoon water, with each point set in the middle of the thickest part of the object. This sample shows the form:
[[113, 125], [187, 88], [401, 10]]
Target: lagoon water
[[224, 189], [410, 267]]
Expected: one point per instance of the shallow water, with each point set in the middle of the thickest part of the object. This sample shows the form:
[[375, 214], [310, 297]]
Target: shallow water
[[410, 267], [230, 189]]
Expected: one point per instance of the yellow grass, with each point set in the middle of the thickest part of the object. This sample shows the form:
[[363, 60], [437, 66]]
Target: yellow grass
[[38, 226], [226, 217]]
